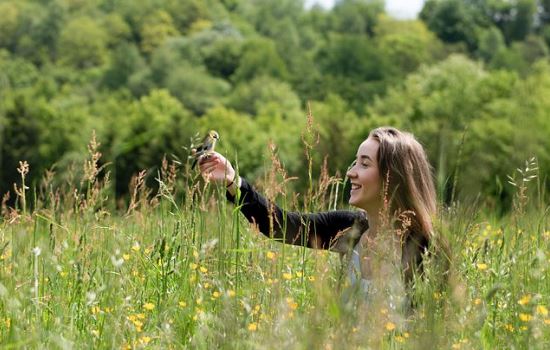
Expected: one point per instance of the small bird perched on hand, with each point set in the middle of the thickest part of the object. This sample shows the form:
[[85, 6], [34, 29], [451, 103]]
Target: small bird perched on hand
[[205, 148]]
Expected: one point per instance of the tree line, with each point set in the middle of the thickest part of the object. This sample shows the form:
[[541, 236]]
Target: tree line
[[471, 78]]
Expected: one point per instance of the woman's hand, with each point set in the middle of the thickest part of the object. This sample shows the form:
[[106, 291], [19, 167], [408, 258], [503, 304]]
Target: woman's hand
[[217, 168]]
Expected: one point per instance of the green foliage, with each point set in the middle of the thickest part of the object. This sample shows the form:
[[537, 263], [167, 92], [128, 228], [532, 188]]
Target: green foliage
[[156, 125], [83, 43], [260, 57], [75, 66]]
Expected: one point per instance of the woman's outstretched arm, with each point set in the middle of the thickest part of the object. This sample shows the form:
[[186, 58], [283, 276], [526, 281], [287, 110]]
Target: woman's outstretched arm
[[314, 230]]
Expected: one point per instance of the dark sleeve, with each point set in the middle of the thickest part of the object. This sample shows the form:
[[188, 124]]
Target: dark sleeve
[[314, 230]]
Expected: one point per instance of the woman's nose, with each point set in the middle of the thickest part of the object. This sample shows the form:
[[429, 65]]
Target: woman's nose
[[350, 173]]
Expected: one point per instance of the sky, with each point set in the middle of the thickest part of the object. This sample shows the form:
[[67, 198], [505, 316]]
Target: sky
[[403, 9]]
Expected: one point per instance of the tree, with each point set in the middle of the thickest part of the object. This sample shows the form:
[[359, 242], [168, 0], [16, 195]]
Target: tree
[[83, 43], [260, 57], [156, 29]]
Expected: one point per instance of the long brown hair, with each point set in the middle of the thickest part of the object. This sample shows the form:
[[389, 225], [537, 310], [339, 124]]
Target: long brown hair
[[409, 192]]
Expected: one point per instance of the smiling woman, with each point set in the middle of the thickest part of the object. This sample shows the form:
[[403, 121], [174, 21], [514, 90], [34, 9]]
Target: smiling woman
[[391, 185]]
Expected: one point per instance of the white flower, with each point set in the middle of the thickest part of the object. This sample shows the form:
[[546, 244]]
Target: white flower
[[36, 251], [117, 262]]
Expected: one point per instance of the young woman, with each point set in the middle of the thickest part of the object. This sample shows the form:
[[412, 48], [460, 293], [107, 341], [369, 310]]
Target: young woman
[[391, 185]]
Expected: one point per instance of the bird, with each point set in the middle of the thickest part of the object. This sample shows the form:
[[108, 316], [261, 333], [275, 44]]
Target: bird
[[206, 147]]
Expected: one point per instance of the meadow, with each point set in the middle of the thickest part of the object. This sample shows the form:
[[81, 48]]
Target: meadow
[[179, 267]]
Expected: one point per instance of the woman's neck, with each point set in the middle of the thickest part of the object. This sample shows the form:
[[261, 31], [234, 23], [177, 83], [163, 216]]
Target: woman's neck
[[374, 221]]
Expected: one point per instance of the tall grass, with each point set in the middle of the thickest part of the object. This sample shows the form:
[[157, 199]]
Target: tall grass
[[180, 267]]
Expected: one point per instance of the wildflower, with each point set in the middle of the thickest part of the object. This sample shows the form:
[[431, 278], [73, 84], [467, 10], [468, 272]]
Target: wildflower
[[253, 327], [291, 303], [136, 247], [299, 274], [547, 321], [206, 285], [95, 332], [354, 330], [525, 317], [36, 251], [482, 266], [216, 294], [182, 304], [523, 328], [140, 316], [195, 254], [524, 300], [231, 293], [95, 310], [456, 346], [287, 276], [542, 310], [126, 257], [400, 339], [149, 306], [477, 301], [509, 327], [145, 339], [390, 326], [193, 266], [270, 255], [203, 269], [311, 278], [199, 301], [406, 334]]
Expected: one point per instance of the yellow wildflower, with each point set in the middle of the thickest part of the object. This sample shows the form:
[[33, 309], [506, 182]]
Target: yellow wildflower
[[253, 327], [299, 274], [390, 326], [149, 306], [216, 294], [542, 310], [231, 293], [270, 255], [126, 257], [182, 304], [400, 339], [193, 266], [145, 339], [291, 303], [524, 300], [525, 317], [482, 266], [477, 301], [509, 327], [287, 276], [203, 269], [136, 247]]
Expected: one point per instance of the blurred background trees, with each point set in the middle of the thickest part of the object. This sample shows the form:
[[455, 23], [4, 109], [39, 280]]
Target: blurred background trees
[[471, 79]]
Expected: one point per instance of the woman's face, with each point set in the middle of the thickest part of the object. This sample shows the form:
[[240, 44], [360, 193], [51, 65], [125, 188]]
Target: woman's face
[[365, 177]]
